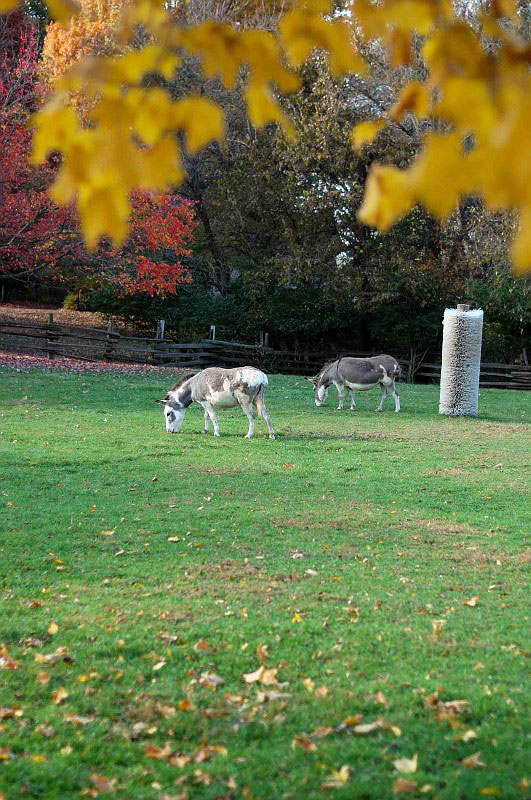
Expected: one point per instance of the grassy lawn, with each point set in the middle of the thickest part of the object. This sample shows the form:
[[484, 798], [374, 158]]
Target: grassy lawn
[[142, 575]]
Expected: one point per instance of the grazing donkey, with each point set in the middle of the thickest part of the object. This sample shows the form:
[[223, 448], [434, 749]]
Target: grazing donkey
[[358, 374], [224, 388]]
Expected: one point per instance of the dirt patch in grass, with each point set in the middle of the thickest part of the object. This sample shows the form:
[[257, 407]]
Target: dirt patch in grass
[[445, 472], [480, 557], [224, 471], [439, 526]]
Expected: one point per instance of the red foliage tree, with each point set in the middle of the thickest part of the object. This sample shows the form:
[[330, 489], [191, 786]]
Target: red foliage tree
[[161, 233], [39, 239], [35, 235]]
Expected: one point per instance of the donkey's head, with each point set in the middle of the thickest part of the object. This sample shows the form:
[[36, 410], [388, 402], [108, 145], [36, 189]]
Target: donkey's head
[[176, 402], [173, 414], [320, 390]]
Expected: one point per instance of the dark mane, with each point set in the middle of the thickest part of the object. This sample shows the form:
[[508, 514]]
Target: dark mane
[[180, 382], [323, 369]]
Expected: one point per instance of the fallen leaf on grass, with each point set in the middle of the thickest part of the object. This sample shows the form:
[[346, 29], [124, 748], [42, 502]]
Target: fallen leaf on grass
[[472, 603], [51, 658], [101, 783], [186, 705], [159, 665], [39, 758], [449, 706], [493, 791], [406, 765], [296, 617], [60, 695], [303, 742], [322, 691], [338, 778], [11, 713], [308, 684], [52, 630], [381, 698], [262, 651], [355, 719], [369, 727], [321, 732], [173, 539], [468, 735], [202, 777], [262, 675], [403, 785], [45, 730], [107, 533], [210, 680], [159, 753], [201, 645], [6, 754], [76, 719], [6, 662], [43, 677], [179, 760], [272, 694], [473, 761]]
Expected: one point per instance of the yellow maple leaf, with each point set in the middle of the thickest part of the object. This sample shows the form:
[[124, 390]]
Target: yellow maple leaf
[[104, 209], [388, 196], [263, 108], [62, 10], [201, 119], [219, 47], [365, 132], [414, 97], [440, 174]]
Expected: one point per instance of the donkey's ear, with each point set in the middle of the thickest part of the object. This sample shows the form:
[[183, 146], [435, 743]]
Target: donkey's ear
[[311, 380], [162, 402]]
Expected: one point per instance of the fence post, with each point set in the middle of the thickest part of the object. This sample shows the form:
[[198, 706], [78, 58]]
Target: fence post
[[50, 341], [212, 336], [109, 346], [159, 336]]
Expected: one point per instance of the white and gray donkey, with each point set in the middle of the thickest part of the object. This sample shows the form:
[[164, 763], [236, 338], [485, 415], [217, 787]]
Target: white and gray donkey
[[223, 388], [358, 374]]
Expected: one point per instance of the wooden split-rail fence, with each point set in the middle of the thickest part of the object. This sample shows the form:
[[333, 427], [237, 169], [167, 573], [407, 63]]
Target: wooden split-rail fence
[[53, 339]]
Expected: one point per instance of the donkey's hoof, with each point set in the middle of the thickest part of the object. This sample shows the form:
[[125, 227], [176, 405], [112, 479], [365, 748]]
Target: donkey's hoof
[[247, 436], [378, 409], [217, 434], [271, 435], [203, 432]]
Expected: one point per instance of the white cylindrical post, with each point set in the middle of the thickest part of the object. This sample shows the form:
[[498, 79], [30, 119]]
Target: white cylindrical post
[[461, 361]]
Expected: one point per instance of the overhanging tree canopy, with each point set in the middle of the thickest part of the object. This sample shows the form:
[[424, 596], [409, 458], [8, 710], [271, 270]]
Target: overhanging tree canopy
[[477, 87]]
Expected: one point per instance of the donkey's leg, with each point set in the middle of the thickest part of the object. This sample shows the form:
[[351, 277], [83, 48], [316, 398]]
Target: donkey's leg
[[396, 397], [207, 422], [340, 393], [384, 395], [352, 399], [264, 413], [209, 409], [248, 409]]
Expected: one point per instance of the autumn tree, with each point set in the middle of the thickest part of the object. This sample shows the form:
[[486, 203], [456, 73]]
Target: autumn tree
[[468, 68], [35, 234]]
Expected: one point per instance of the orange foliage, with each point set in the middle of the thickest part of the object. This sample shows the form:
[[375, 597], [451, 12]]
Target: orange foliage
[[89, 33]]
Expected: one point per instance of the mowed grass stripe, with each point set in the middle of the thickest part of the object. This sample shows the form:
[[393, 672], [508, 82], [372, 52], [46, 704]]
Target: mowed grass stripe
[[403, 518]]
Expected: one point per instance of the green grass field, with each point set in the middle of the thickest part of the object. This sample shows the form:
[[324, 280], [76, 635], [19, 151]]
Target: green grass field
[[144, 574]]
